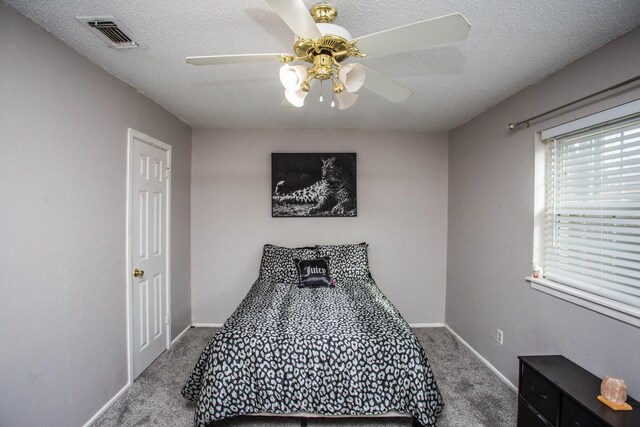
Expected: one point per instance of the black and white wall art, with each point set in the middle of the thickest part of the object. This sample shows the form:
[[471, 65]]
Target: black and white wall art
[[313, 184]]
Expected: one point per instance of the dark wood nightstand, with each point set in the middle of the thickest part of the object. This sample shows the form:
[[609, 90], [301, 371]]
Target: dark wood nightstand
[[553, 391]]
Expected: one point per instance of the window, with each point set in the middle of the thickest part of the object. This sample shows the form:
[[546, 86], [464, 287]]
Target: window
[[591, 244]]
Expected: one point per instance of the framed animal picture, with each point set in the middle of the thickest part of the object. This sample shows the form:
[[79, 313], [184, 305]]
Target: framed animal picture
[[313, 185]]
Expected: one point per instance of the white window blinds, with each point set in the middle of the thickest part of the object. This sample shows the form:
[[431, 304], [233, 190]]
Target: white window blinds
[[592, 222]]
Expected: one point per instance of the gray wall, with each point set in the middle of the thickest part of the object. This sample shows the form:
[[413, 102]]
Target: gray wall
[[490, 241], [402, 213], [63, 139]]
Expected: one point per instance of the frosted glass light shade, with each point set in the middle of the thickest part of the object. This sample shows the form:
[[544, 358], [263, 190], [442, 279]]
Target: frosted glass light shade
[[345, 100], [295, 97], [352, 77], [292, 77]]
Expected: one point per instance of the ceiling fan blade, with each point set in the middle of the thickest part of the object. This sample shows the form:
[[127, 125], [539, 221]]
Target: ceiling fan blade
[[296, 15], [235, 59], [384, 87], [416, 36]]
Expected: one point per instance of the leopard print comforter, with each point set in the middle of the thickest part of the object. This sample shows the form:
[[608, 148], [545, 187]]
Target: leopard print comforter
[[335, 351]]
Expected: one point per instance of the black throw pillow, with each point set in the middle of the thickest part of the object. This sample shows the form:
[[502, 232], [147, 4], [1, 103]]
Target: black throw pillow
[[313, 272]]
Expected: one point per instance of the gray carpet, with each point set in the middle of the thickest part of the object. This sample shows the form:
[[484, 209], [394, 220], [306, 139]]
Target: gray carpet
[[473, 395]]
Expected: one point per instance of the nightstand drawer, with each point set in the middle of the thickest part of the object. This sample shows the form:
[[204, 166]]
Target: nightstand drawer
[[573, 415], [540, 394], [529, 418]]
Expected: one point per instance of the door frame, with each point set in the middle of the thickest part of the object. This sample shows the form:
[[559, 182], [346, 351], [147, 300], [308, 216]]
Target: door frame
[[133, 134]]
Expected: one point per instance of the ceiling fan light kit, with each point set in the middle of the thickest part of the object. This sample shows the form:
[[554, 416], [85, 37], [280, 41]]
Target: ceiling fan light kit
[[325, 45]]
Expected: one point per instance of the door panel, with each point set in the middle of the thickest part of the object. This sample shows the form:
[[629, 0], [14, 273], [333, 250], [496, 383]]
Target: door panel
[[149, 188]]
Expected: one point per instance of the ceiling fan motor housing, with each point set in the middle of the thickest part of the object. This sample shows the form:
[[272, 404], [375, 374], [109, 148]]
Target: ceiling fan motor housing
[[334, 37], [333, 42]]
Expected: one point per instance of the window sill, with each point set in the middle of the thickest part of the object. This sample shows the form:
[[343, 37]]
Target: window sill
[[614, 309]]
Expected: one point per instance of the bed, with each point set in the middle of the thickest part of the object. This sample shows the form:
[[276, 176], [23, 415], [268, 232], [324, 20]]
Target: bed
[[340, 350]]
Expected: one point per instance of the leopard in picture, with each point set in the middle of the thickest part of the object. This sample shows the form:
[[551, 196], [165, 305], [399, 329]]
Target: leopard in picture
[[334, 193]]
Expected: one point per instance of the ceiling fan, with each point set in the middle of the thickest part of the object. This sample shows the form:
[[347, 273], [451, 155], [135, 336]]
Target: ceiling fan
[[326, 45]]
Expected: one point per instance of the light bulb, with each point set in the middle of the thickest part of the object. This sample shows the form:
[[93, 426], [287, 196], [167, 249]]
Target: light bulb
[[321, 98], [333, 104]]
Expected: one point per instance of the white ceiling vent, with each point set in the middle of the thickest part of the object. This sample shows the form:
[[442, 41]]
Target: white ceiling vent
[[111, 31]]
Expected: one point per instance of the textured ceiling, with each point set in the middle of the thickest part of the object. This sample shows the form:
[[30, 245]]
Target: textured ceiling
[[511, 45]]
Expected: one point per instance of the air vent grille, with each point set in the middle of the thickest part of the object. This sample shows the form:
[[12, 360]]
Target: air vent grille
[[111, 31]]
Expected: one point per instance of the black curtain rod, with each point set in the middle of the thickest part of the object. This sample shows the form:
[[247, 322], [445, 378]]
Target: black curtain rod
[[515, 125]]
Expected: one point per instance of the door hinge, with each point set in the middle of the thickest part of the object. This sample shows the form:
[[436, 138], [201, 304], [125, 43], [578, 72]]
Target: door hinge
[[166, 319], [168, 175]]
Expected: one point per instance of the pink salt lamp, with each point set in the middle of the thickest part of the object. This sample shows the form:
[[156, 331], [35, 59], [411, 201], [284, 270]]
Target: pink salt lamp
[[614, 389]]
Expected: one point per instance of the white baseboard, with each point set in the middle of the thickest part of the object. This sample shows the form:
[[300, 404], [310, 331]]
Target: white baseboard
[[180, 335], [106, 406], [427, 325], [207, 325], [482, 359], [118, 394]]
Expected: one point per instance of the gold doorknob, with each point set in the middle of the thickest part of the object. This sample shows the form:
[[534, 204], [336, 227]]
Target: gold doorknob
[[138, 273]]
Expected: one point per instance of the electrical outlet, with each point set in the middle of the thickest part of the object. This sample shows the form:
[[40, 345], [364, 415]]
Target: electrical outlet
[[499, 336]]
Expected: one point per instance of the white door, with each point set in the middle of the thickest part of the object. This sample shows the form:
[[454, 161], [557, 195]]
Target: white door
[[148, 203]]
